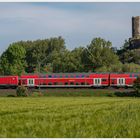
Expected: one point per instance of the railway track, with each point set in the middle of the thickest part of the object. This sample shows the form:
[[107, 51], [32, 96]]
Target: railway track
[[4, 91]]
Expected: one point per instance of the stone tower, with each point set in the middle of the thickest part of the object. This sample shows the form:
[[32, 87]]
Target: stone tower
[[135, 40]]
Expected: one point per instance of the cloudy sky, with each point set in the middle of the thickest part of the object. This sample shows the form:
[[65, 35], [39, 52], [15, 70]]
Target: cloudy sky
[[77, 23]]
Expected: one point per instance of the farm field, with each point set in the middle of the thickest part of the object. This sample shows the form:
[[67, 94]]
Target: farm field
[[69, 117]]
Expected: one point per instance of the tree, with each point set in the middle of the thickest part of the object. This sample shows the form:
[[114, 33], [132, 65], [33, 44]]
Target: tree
[[12, 61], [136, 86], [100, 54], [130, 67]]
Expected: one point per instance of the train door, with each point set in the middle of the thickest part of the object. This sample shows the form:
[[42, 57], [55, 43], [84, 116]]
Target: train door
[[97, 81], [30, 82], [121, 81]]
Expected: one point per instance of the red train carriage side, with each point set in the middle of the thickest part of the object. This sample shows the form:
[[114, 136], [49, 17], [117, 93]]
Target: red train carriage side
[[100, 79], [8, 81], [28, 80], [123, 79], [66, 80]]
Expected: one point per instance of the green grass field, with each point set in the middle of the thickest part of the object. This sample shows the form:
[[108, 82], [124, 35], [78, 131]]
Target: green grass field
[[69, 117]]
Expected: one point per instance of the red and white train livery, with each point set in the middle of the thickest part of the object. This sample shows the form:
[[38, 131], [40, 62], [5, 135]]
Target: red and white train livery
[[71, 80]]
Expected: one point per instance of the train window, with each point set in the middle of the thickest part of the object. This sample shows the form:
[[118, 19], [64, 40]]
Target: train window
[[72, 76], [82, 83], [55, 76], [104, 80], [87, 76], [44, 83], [77, 83], [49, 83], [66, 83], [136, 75], [83, 75], [87, 83], [61, 76], [77, 76], [49, 76], [55, 83], [31, 81], [66, 76], [71, 83]]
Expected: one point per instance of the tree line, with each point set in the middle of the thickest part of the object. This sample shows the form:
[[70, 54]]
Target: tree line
[[51, 55]]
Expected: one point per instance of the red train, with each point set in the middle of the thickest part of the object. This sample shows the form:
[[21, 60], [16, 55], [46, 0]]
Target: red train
[[71, 80]]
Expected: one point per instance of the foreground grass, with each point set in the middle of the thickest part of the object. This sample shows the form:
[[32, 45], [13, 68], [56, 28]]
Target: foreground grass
[[69, 117]]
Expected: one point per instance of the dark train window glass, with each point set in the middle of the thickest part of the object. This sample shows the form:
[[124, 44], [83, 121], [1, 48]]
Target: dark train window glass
[[77, 83], [87, 83], [136, 75], [77, 76], [50, 76], [61, 76], [44, 83], [55, 83], [71, 83], [54, 76], [66, 83], [83, 75], [31, 81], [103, 80], [66, 76], [82, 83], [49, 83]]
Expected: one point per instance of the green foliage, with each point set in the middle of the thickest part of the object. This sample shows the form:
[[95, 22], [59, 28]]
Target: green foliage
[[100, 53], [137, 86], [12, 61], [50, 55], [36, 94], [22, 91], [131, 67]]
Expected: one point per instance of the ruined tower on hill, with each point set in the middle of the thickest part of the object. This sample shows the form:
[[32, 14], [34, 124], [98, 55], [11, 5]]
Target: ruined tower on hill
[[134, 42]]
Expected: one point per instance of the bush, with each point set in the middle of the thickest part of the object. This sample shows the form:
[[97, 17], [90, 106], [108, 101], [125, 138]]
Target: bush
[[22, 91], [36, 94], [136, 86]]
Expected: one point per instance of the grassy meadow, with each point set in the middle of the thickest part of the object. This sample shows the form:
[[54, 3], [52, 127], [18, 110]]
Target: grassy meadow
[[70, 117]]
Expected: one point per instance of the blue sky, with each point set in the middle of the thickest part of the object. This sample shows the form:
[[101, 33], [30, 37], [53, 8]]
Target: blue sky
[[77, 23]]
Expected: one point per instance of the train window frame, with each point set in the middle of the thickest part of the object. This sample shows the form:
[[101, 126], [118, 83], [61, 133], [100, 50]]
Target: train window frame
[[83, 76]]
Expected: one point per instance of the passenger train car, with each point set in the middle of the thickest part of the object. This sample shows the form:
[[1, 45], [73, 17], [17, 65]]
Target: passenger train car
[[70, 80]]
